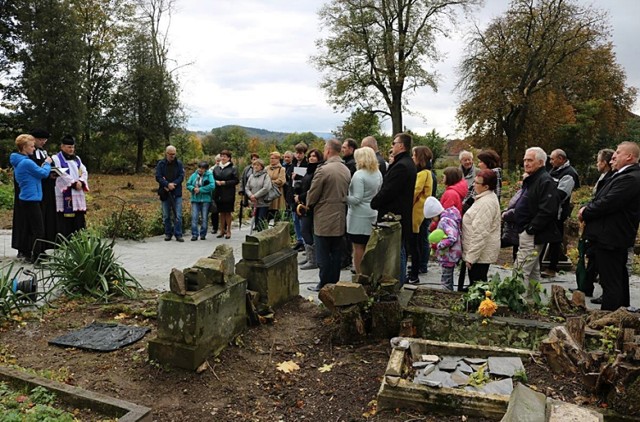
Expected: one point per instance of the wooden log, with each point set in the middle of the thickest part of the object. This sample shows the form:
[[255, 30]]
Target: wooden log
[[575, 327]]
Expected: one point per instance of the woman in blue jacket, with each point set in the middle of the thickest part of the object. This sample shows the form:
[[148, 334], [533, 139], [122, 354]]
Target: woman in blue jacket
[[201, 185], [29, 177]]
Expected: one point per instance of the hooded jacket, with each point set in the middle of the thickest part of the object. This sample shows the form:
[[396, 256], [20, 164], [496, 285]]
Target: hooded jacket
[[449, 249], [258, 185], [453, 195], [206, 189], [29, 176]]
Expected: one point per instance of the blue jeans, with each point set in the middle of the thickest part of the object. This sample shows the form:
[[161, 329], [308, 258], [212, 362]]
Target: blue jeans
[[260, 222], [199, 210], [328, 257], [172, 225]]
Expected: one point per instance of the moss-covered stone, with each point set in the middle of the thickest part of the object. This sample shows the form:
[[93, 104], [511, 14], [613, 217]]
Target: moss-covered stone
[[203, 322], [262, 244]]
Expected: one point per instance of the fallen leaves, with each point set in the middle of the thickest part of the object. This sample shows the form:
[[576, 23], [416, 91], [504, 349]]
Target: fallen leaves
[[325, 368], [287, 367]]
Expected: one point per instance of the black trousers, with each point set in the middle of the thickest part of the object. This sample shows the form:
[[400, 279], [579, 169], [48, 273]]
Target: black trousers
[[477, 272], [34, 226], [555, 249], [611, 265]]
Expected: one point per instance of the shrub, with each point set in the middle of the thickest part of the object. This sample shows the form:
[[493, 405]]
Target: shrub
[[129, 223], [85, 264], [6, 196]]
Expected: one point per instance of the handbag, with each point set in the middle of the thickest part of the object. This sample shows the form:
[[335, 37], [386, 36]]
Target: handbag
[[273, 194]]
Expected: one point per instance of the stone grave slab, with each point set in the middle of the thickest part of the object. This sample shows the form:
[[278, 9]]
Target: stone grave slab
[[505, 366]]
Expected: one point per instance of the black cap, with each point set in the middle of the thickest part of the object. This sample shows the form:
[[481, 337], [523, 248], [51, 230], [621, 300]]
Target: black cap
[[68, 140], [40, 133]]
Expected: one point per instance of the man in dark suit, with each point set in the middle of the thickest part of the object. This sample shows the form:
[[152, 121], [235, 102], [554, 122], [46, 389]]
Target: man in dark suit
[[396, 193], [611, 224]]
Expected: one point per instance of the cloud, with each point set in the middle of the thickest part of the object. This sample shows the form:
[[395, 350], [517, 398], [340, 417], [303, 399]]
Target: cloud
[[249, 64]]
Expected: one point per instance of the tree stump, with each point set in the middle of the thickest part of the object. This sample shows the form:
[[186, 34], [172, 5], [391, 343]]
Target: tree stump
[[385, 319]]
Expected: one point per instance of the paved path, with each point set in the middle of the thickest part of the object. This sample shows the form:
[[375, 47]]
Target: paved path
[[150, 262]]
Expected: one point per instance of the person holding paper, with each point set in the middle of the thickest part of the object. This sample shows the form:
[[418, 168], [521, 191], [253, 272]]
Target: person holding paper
[[71, 204]]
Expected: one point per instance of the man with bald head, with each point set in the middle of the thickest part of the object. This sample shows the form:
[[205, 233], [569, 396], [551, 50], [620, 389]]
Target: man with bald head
[[567, 179], [169, 175], [372, 143], [611, 224]]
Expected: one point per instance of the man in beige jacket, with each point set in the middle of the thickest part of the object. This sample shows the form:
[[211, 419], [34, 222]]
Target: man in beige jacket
[[327, 197]]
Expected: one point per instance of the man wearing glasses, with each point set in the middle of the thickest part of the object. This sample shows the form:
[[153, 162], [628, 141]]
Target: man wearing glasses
[[169, 175], [396, 193]]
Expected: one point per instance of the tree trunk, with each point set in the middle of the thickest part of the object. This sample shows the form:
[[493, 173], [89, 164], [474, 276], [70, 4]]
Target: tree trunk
[[140, 153], [395, 108]]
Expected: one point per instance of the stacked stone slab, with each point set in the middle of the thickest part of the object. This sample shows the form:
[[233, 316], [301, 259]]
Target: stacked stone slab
[[200, 321], [270, 265], [373, 290]]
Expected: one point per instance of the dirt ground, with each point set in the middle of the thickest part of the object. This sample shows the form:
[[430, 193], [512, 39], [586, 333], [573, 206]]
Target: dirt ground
[[243, 383]]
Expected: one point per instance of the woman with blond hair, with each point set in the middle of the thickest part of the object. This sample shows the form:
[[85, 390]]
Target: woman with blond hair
[[365, 184], [277, 173], [29, 177]]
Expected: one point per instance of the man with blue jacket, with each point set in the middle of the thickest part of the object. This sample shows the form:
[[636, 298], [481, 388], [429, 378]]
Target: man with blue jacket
[[169, 175]]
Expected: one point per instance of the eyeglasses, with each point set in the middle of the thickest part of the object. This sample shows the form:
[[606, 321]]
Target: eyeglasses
[[395, 142]]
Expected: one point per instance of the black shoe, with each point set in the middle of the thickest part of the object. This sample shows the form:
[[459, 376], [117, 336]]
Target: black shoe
[[194, 238], [220, 236], [313, 288], [596, 300], [167, 238], [179, 239], [203, 237], [415, 280], [298, 247]]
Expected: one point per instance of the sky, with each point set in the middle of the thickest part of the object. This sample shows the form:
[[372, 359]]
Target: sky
[[246, 62]]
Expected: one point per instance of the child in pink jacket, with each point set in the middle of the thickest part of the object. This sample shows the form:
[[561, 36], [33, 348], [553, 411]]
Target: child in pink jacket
[[449, 249]]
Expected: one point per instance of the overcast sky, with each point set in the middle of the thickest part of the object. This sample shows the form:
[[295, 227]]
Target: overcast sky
[[249, 64]]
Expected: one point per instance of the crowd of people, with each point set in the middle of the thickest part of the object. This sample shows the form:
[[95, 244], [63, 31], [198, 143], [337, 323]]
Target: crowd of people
[[49, 194], [335, 196]]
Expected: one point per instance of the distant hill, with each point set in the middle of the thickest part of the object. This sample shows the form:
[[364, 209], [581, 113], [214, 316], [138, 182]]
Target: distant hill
[[267, 134]]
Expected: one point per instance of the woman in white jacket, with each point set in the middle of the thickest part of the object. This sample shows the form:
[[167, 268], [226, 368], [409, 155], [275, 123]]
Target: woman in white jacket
[[481, 228]]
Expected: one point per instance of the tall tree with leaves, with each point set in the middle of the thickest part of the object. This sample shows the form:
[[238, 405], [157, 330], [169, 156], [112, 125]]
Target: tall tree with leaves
[[523, 76], [377, 50], [359, 125], [102, 27], [147, 104], [47, 92]]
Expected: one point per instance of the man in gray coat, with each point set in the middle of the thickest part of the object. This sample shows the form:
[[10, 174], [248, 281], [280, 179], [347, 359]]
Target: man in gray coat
[[327, 197]]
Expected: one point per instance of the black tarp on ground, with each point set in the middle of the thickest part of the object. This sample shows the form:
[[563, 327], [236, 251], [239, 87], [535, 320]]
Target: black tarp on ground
[[101, 337]]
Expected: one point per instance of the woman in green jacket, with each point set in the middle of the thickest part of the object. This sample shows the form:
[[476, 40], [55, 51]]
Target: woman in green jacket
[[201, 185]]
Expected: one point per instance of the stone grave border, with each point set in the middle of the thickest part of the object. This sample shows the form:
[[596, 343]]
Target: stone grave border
[[397, 392], [79, 397]]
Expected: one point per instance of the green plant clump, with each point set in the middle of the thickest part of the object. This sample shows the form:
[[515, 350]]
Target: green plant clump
[[127, 224], [36, 405], [85, 264], [6, 196], [507, 291]]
